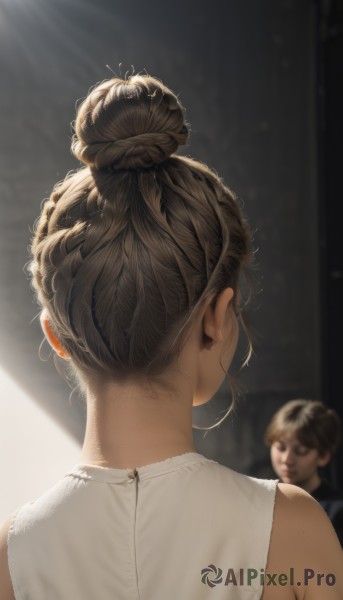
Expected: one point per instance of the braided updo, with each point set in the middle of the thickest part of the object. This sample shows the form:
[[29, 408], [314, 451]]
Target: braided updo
[[129, 124], [128, 247]]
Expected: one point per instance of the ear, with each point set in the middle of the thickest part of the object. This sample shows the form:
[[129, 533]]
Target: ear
[[215, 316], [50, 336], [324, 459]]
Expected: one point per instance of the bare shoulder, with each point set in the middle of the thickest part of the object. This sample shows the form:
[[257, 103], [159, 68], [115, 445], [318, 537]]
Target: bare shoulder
[[303, 547], [6, 588]]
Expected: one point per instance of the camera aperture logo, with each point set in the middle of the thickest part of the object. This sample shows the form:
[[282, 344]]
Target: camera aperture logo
[[206, 576]]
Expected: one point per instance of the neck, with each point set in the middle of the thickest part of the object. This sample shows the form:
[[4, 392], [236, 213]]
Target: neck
[[131, 425]]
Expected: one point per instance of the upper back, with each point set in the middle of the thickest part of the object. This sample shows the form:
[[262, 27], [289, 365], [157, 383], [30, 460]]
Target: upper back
[[176, 528]]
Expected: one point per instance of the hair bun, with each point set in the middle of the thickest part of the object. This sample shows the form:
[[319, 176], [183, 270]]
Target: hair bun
[[129, 124]]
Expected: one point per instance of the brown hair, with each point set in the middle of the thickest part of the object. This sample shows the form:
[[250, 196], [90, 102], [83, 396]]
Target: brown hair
[[314, 424], [127, 248]]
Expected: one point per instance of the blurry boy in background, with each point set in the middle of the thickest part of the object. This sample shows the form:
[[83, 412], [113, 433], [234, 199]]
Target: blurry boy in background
[[303, 436]]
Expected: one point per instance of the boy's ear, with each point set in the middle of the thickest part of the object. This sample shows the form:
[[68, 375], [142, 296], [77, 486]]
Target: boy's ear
[[214, 318], [324, 459], [50, 336]]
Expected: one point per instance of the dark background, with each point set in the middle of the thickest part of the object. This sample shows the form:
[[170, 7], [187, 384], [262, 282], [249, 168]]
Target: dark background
[[262, 84]]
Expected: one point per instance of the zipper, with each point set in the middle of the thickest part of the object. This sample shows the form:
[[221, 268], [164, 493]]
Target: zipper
[[134, 477]]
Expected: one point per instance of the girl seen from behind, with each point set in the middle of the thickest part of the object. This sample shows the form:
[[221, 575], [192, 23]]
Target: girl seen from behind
[[136, 263]]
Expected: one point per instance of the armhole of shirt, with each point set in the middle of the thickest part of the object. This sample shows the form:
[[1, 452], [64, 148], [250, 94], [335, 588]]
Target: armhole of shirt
[[275, 489], [11, 557]]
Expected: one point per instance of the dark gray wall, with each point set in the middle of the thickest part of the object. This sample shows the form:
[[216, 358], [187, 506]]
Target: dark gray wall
[[245, 72]]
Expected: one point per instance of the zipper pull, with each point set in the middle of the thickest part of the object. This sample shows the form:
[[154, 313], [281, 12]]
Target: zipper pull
[[132, 474]]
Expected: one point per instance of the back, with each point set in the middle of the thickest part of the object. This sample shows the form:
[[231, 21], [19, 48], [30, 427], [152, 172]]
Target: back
[[172, 529]]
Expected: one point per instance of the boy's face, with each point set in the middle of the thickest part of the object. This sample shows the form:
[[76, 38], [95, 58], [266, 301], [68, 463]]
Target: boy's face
[[295, 463]]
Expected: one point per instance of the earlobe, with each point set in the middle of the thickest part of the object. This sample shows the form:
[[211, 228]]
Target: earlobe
[[50, 336]]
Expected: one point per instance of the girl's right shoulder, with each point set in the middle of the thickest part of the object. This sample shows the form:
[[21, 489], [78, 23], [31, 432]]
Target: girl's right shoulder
[[305, 560]]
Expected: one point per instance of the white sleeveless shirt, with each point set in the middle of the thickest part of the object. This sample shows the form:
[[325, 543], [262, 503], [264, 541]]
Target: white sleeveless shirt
[[184, 528]]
